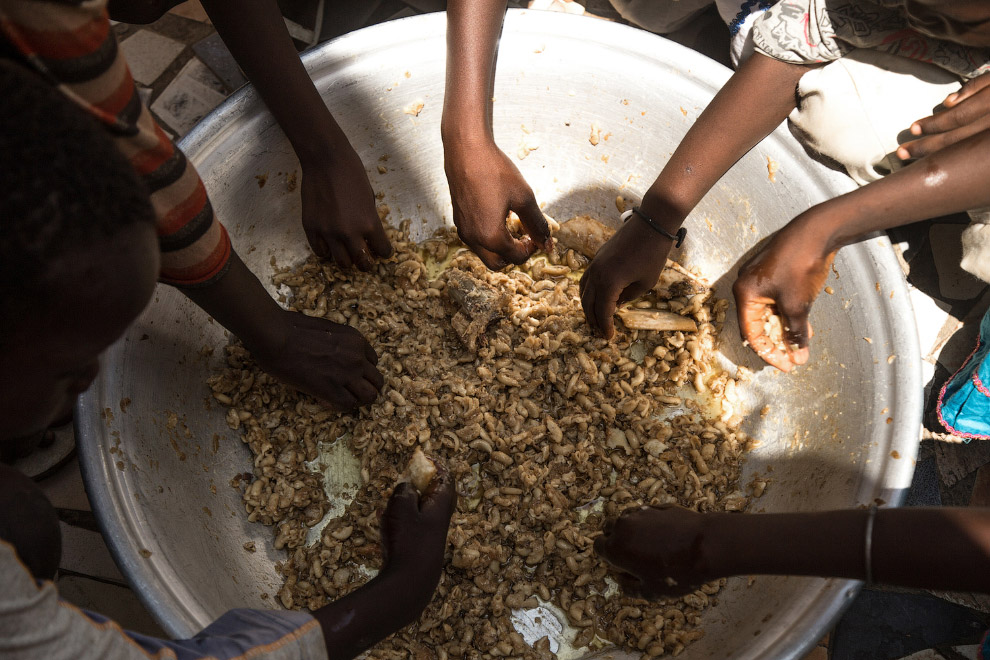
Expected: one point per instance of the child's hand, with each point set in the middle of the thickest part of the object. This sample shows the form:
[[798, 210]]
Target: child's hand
[[967, 112], [657, 551], [338, 211], [626, 267], [414, 534], [484, 186], [330, 361], [784, 278]]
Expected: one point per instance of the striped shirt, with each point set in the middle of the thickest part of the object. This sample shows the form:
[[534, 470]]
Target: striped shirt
[[73, 46], [35, 623]]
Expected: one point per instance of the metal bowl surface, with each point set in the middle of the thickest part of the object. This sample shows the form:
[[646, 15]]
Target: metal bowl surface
[[841, 432]]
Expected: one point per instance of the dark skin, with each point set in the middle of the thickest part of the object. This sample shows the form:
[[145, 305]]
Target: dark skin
[[338, 204], [789, 272], [484, 183], [661, 552], [329, 361], [53, 355], [632, 260]]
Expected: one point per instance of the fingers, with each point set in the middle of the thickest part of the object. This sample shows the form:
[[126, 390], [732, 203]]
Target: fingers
[[340, 255], [317, 243], [752, 313], [358, 253], [440, 498], [340, 398], [534, 223], [378, 242], [969, 88], [362, 389], [598, 304], [370, 354], [499, 250], [797, 332], [374, 377], [936, 141]]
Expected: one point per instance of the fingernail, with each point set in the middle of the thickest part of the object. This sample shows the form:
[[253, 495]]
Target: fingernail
[[915, 129], [903, 153], [951, 98]]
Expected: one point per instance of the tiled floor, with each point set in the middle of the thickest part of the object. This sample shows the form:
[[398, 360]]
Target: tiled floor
[[185, 71]]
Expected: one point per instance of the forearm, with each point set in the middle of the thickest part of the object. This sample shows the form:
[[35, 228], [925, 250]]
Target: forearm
[[256, 36], [949, 181], [364, 617], [749, 107], [946, 548], [240, 303], [473, 28]]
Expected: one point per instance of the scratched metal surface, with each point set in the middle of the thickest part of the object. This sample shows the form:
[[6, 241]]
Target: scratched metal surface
[[836, 427]]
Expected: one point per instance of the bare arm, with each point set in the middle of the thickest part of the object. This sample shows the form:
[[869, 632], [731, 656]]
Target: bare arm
[[752, 103], [338, 203], [652, 544], [787, 275], [332, 362], [484, 184]]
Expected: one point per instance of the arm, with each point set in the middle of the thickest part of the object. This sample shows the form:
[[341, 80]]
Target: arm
[[330, 361], [788, 273], [484, 184], [752, 103], [668, 551], [338, 204], [414, 537]]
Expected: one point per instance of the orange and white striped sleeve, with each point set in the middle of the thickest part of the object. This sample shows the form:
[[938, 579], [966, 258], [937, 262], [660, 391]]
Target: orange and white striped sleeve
[[73, 46]]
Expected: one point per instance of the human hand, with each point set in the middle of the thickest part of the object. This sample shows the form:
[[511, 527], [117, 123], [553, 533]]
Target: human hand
[[484, 186], [626, 267], [330, 361], [966, 113], [414, 533], [658, 552], [783, 278], [338, 211]]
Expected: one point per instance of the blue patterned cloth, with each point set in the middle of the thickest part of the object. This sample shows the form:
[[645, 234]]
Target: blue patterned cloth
[[964, 402]]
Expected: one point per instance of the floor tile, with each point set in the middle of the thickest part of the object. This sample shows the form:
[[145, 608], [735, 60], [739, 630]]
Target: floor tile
[[187, 99], [214, 54], [148, 54], [85, 553], [65, 490], [117, 602], [192, 10]]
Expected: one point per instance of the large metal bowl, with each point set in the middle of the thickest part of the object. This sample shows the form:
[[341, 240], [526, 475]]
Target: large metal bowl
[[841, 432]]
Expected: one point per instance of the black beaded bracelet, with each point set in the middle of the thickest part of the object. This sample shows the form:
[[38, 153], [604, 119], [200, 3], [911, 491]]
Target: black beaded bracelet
[[678, 238]]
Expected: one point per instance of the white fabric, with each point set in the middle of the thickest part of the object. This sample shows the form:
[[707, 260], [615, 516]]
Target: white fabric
[[854, 109], [976, 245]]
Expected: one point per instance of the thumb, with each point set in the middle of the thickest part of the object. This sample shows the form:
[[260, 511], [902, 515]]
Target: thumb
[[797, 331], [533, 221]]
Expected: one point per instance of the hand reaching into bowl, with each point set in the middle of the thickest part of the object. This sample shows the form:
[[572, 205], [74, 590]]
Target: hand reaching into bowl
[[484, 186], [626, 267], [658, 552], [414, 538], [338, 210], [782, 279]]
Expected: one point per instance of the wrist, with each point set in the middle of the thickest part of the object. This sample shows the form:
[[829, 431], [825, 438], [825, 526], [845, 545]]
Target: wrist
[[462, 134], [825, 225], [322, 146], [663, 209]]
